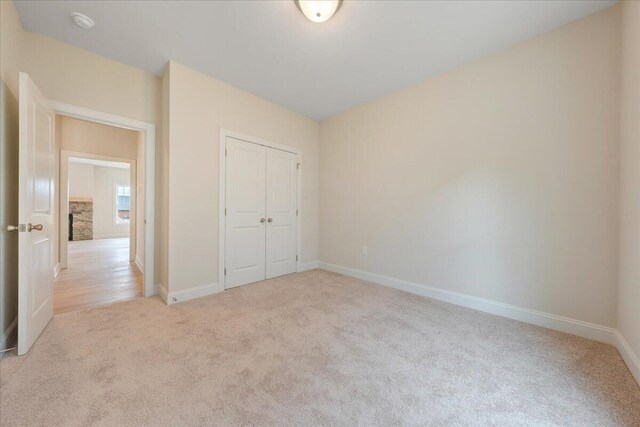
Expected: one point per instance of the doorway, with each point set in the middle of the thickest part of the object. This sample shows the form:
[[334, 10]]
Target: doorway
[[146, 249], [260, 209], [99, 245]]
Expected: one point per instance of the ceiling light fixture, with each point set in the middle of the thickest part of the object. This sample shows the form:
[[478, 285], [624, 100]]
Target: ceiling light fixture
[[82, 20], [318, 10]]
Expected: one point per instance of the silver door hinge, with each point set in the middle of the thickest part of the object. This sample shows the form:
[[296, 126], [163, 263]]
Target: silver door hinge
[[296, 212], [225, 211], [225, 152], [296, 257], [225, 271], [298, 166]]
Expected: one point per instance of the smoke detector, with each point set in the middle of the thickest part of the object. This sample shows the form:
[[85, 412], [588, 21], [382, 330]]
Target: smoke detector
[[82, 20]]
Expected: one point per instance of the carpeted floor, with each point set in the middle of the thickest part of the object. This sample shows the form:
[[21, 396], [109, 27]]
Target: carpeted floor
[[314, 348]]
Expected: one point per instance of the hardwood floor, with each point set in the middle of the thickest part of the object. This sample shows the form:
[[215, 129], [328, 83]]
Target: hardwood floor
[[99, 273]]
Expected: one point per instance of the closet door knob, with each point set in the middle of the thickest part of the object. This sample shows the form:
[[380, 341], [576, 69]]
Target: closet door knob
[[270, 220], [262, 220]]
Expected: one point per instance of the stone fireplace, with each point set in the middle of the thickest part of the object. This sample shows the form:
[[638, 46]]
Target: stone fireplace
[[81, 219]]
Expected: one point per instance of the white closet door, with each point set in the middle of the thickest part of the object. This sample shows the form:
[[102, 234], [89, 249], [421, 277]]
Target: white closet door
[[246, 217], [282, 194]]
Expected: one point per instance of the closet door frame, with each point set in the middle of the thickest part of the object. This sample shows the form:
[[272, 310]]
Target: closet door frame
[[222, 186]]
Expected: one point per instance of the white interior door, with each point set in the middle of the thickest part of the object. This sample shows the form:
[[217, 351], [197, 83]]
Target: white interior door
[[282, 180], [36, 214], [245, 212]]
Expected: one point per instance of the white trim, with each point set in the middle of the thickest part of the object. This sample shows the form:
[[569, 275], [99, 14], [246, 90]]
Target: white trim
[[222, 183], [56, 270], [149, 130], [192, 293], [9, 335], [309, 266], [100, 236], [256, 140], [631, 359], [139, 263], [539, 318]]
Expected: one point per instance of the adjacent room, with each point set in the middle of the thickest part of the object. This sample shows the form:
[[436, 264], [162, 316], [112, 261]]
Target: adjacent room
[[99, 269], [101, 215], [320, 212]]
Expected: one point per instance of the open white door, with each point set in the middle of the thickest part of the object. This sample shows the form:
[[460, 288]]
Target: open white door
[[36, 214]]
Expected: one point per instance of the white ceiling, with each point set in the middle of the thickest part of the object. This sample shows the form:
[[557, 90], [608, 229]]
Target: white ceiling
[[96, 162], [268, 48]]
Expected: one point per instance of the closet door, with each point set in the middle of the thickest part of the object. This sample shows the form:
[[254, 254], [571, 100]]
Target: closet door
[[282, 180], [246, 216]]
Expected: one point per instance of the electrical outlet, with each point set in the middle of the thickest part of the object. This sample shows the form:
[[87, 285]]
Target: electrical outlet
[[365, 251]]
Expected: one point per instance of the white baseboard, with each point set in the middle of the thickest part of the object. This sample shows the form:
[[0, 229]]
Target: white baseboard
[[539, 318], [191, 293], [56, 270], [109, 236], [9, 335], [308, 266], [139, 263], [631, 359]]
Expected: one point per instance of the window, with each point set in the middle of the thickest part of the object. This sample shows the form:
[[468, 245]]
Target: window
[[123, 204]]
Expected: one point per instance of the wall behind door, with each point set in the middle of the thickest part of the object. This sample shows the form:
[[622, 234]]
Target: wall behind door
[[9, 51]]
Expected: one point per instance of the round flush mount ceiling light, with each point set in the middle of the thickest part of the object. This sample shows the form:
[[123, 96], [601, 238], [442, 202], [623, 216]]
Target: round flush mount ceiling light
[[318, 10], [82, 20]]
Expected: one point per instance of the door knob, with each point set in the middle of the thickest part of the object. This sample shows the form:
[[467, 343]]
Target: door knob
[[32, 227], [262, 220], [270, 220], [13, 228]]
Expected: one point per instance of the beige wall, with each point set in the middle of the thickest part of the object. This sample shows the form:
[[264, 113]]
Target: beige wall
[[629, 288], [9, 49], [80, 181], [104, 206], [498, 179], [198, 107], [10, 45], [95, 138]]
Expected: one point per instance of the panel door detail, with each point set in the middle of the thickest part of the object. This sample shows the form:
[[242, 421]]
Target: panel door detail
[[245, 238], [282, 203], [36, 211]]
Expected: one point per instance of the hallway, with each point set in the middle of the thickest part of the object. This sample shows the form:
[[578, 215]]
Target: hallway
[[99, 273]]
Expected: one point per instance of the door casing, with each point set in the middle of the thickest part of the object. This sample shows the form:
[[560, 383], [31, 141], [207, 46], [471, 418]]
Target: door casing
[[222, 185], [149, 130]]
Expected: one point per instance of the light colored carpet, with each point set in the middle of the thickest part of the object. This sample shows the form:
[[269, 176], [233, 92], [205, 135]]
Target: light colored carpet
[[314, 348]]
